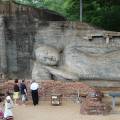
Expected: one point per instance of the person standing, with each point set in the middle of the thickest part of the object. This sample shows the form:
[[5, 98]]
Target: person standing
[[34, 91], [8, 107], [16, 91], [23, 91]]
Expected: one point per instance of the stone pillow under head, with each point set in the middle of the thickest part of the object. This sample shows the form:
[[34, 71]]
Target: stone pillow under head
[[47, 55]]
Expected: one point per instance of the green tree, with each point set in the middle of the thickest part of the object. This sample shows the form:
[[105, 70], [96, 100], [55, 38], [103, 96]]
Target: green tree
[[71, 9], [102, 13]]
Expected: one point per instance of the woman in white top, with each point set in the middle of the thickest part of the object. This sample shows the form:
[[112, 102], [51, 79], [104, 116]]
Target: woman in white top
[[8, 106], [34, 91]]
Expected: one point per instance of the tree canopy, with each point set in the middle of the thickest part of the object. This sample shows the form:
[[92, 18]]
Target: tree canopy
[[102, 13]]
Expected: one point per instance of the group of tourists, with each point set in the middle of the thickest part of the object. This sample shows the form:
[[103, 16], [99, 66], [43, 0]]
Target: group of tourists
[[20, 90], [20, 93]]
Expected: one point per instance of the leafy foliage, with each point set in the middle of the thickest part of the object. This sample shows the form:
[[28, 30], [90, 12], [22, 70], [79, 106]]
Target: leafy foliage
[[72, 8], [103, 13]]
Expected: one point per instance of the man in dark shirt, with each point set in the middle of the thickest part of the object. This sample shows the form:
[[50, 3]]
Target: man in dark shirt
[[23, 91]]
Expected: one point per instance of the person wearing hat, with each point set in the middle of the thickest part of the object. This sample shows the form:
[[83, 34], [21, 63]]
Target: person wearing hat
[[34, 91]]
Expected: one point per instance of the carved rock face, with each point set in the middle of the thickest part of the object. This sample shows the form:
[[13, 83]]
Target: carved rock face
[[93, 62], [47, 55], [39, 73], [80, 57], [1, 21], [80, 62]]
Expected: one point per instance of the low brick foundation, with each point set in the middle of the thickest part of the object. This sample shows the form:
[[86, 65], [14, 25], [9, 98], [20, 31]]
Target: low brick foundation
[[69, 90]]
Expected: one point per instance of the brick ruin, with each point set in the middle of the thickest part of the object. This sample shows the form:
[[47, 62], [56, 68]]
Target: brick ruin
[[89, 97], [93, 104], [69, 90]]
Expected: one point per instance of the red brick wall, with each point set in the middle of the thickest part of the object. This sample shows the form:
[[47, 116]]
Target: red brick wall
[[48, 87]]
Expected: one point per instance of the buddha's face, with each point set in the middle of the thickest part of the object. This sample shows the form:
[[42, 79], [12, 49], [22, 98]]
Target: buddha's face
[[47, 55]]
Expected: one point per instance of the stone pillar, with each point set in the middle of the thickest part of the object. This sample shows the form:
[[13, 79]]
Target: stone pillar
[[3, 63]]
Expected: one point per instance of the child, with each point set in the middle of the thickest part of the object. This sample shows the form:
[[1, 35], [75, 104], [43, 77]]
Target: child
[[8, 114]]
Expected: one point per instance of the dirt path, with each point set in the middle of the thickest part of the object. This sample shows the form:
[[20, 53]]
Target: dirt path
[[68, 111]]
